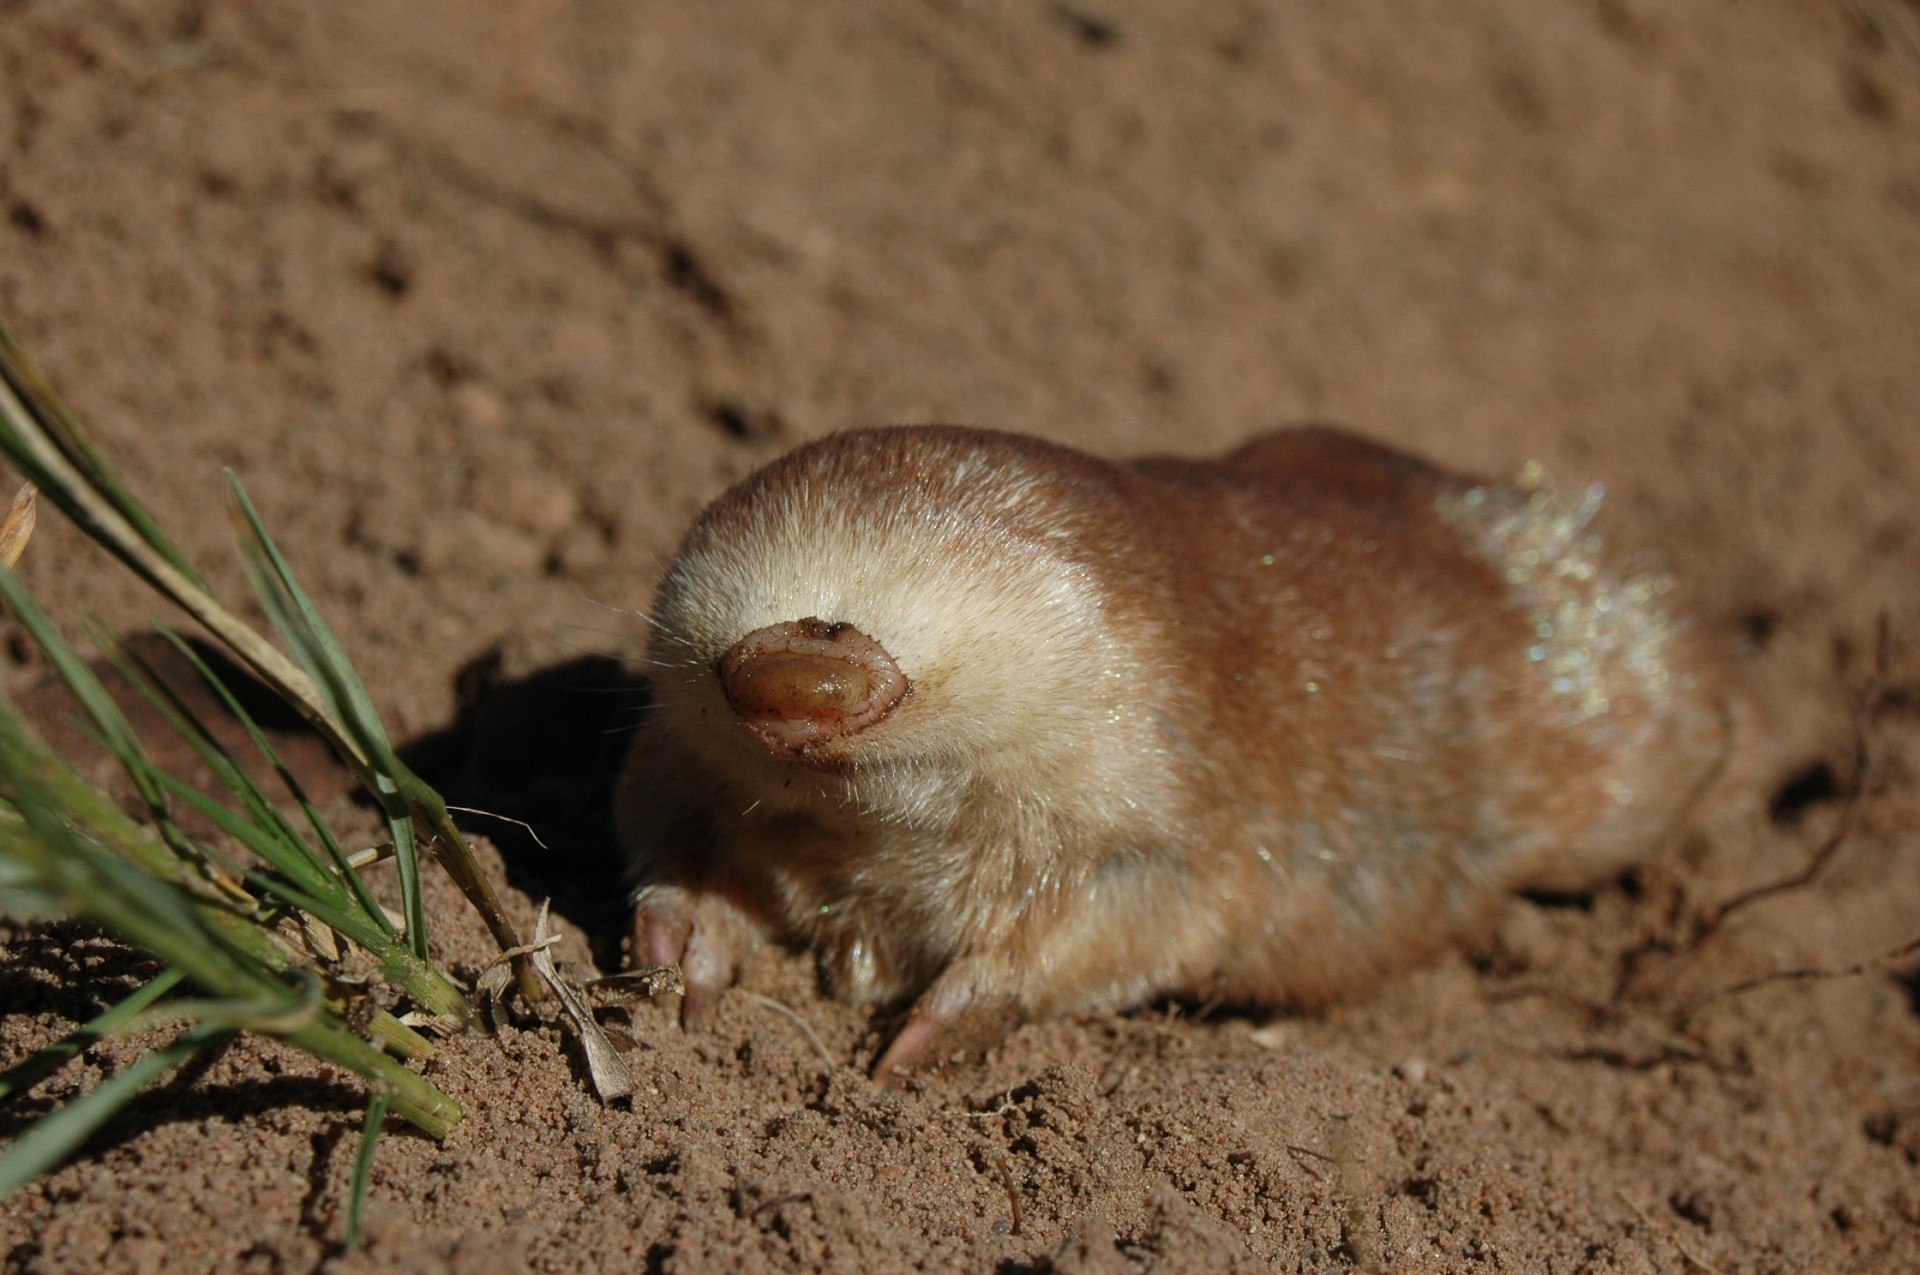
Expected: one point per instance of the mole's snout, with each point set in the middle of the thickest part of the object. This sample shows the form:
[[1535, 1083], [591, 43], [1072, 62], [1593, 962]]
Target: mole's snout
[[803, 683]]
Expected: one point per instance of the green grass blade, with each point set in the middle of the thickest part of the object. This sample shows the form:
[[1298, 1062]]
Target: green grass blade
[[414, 1098], [48, 445], [336, 854], [301, 860], [274, 1014], [188, 723], [399, 1039], [92, 881], [36, 777], [41, 437], [37, 434], [60, 1133], [160, 916], [428, 986], [117, 734], [406, 858], [320, 653], [396, 786], [294, 863], [111, 730], [141, 896], [363, 1165], [301, 623], [21, 894], [42, 1063], [398, 964]]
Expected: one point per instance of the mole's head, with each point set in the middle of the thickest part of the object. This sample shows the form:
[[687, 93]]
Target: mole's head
[[886, 615]]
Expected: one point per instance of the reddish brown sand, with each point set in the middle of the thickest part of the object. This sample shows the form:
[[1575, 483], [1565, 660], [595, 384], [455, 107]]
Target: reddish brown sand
[[485, 299]]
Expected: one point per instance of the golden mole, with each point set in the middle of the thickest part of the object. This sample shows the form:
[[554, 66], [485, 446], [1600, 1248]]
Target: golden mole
[[1011, 729]]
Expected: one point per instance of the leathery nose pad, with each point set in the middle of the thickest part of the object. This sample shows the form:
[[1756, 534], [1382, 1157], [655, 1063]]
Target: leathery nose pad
[[801, 684]]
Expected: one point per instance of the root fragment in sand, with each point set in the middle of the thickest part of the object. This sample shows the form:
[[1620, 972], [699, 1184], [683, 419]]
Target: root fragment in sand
[[1017, 1222], [806, 1029], [1805, 974], [522, 824], [1302, 1154], [1871, 698]]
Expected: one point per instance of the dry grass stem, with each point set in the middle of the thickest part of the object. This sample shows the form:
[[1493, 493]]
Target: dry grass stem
[[17, 529], [605, 1067]]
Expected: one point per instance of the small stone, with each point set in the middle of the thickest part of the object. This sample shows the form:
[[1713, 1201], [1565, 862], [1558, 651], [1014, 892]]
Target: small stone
[[1278, 1034], [477, 405], [530, 501]]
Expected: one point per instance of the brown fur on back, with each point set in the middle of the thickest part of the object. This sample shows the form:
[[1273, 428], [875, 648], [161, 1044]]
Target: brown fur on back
[[1265, 726]]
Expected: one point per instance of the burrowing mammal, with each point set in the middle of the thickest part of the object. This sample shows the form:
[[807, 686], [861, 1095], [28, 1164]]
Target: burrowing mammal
[[1005, 727]]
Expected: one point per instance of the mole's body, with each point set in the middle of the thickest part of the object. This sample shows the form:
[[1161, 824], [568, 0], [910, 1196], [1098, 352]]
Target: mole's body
[[1010, 728]]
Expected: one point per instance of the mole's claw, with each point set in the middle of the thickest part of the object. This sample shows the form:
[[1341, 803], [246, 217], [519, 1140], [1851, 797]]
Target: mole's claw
[[705, 934], [710, 966], [907, 1049], [663, 935]]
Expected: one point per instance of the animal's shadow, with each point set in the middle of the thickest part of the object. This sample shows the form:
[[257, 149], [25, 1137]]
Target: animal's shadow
[[533, 760], [540, 753], [537, 753]]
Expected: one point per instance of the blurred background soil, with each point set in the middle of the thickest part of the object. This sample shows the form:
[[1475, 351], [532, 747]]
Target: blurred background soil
[[483, 299]]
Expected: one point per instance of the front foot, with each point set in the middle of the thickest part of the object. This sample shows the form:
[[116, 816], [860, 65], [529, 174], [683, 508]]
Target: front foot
[[970, 1006], [706, 935]]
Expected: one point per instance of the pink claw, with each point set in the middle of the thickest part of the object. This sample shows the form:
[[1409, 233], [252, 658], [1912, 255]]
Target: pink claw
[[907, 1049], [665, 935]]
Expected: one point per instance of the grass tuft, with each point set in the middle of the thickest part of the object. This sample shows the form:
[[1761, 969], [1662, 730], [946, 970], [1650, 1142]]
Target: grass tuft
[[251, 924]]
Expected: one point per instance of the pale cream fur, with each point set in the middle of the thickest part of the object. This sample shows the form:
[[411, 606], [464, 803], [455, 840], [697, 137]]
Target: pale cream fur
[[966, 797]]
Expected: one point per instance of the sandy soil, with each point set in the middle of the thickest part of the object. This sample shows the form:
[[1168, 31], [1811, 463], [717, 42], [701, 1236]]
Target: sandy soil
[[484, 299]]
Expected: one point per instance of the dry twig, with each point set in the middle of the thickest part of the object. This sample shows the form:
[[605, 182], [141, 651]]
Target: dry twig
[[605, 1067]]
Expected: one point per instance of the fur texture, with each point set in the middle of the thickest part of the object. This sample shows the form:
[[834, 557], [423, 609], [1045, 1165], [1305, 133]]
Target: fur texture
[[1261, 728]]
